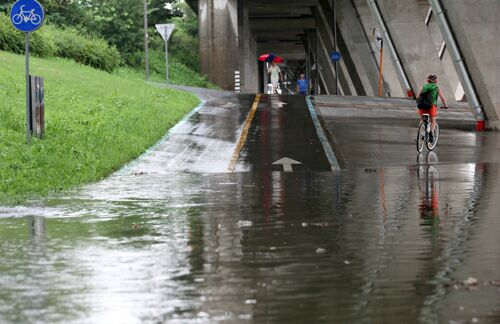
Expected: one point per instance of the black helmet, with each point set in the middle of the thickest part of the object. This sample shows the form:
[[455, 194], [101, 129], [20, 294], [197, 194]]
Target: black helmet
[[432, 78]]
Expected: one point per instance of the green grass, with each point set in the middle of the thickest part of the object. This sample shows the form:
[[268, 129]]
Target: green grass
[[179, 73], [95, 123]]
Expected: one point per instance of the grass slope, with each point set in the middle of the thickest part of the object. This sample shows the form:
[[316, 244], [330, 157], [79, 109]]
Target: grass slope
[[95, 123]]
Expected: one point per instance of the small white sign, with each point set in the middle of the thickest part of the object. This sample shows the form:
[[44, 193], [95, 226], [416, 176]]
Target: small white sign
[[165, 30], [379, 41]]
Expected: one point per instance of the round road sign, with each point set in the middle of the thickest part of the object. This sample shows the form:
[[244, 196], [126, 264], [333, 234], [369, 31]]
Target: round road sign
[[27, 15]]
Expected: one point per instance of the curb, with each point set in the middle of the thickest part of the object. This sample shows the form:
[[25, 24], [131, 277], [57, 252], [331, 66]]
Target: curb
[[332, 159]]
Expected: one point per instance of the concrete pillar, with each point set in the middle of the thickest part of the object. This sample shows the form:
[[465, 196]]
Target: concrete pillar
[[219, 47], [413, 43], [477, 30], [248, 54]]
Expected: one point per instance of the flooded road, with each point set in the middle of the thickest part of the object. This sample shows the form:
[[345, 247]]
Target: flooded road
[[185, 243]]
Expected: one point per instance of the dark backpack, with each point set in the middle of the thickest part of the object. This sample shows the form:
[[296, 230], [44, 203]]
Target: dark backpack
[[425, 100]]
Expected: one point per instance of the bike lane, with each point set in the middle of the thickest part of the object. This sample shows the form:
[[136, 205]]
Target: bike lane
[[281, 136]]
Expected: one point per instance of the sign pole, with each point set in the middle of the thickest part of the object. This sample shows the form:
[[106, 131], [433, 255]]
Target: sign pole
[[146, 39], [28, 103], [335, 48], [166, 31], [166, 52], [27, 16], [381, 78]]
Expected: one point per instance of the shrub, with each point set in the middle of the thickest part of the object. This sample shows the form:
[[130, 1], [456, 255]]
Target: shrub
[[179, 72], [12, 40], [82, 49], [67, 43]]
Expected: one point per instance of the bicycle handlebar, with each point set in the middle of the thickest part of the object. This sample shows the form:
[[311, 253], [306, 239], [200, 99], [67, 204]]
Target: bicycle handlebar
[[444, 107]]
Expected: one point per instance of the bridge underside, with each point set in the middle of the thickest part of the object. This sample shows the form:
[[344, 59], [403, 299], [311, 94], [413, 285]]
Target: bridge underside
[[234, 33]]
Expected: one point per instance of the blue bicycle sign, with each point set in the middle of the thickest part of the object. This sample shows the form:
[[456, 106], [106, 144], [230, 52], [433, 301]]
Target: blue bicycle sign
[[27, 15], [335, 56]]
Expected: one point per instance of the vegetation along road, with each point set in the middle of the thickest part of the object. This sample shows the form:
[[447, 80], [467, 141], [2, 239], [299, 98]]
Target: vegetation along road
[[96, 122]]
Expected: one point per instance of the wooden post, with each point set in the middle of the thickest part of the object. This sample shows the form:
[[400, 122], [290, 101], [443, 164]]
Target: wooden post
[[37, 107]]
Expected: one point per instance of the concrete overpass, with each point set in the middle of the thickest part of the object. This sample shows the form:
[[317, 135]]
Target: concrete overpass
[[445, 37]]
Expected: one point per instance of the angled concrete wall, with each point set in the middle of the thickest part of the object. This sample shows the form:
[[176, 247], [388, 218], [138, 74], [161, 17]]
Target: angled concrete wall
[[392, 86], [349, 76], [477, 29], [413, 43], [219, 47], [358, 45]]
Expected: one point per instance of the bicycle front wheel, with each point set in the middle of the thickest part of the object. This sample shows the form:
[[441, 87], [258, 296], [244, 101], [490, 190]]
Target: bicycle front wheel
[[435, 140], [421, 137], [36, 19]]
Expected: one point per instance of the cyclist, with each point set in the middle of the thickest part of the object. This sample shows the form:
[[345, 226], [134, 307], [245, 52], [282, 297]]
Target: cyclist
[[431, 86]]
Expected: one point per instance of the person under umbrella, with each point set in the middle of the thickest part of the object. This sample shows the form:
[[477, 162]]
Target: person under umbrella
[[276, 75], [273, 69]]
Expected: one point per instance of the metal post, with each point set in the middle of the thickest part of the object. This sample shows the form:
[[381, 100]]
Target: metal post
[[308, 63], [308, 67], [166, 51], [381, 78], [146, 41], [336, 67], [28, 106], [316, 62]]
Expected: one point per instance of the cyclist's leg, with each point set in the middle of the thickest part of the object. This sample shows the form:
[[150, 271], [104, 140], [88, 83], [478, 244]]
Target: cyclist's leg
[[420, 115], [433, 117], [433, 123]]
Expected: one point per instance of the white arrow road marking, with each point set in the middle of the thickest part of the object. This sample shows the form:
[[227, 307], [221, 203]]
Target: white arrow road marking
[[287, 164], [228, 105]]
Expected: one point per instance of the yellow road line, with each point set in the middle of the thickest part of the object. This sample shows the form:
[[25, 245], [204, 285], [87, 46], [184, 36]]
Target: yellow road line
[[244, 134]]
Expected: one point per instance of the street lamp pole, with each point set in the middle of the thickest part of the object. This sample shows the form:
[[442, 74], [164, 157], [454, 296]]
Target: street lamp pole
[[146, 41]]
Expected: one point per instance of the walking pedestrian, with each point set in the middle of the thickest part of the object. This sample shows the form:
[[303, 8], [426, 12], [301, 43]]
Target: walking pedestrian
[[276, 76], [302, 85]]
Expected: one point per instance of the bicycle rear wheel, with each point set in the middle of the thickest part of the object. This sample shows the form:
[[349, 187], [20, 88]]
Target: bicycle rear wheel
[[432, 145], [421, 137]]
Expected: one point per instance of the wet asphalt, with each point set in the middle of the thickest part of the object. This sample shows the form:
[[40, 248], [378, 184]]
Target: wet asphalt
[[282, 128], [174, 237]]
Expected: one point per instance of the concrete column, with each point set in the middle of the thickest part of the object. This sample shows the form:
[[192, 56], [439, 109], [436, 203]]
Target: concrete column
[[477, 30], [219, 47], [248, 54], [413, 43]]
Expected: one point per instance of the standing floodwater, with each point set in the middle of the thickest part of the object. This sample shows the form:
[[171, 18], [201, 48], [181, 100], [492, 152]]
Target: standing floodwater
[[417, 243]]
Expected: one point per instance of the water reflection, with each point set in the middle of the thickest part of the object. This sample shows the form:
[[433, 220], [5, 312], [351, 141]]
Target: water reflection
[[385, 245], [429, 188]]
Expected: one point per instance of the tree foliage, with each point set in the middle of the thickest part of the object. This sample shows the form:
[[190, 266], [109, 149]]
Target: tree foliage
[[121, 24]]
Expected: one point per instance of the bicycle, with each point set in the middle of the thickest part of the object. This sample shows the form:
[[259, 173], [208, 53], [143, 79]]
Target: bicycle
[[424, 130], [25, 16], [287, 87]]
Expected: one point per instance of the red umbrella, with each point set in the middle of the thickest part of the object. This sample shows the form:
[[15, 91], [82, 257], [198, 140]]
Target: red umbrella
[[271, 58]]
